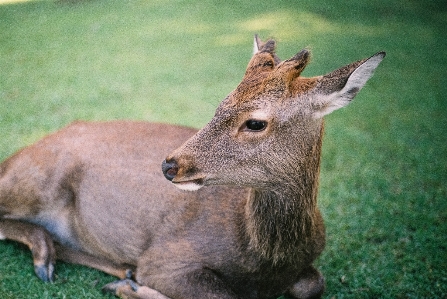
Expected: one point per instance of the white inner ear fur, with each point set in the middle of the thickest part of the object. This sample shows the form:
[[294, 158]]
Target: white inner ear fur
[[332, 103], [355, 82]]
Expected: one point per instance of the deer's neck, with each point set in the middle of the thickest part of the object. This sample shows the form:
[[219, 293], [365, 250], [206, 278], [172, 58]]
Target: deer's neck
[[283, 223], [279, 226]]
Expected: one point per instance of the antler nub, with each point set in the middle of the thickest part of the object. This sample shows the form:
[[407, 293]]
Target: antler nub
[[268, 47], [293, 67], [257, 44]]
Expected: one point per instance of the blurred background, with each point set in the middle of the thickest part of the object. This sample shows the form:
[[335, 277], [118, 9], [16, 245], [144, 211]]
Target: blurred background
[[383, 190]]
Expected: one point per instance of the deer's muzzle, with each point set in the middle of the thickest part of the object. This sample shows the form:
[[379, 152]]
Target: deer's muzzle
[[169, 169]]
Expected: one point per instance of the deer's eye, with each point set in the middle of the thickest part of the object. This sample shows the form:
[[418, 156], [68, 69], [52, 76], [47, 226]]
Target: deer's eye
[[255, 125], [268, 63]]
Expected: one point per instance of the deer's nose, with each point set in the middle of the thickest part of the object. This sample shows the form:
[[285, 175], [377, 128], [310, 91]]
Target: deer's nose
[[169, 169]]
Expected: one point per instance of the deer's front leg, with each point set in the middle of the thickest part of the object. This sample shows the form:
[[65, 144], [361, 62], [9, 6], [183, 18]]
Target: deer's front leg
[[129, 289], [201, 283], [310, 285], [38, 241]]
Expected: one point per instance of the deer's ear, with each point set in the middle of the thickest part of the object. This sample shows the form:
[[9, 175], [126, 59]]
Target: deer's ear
[[336, 89]]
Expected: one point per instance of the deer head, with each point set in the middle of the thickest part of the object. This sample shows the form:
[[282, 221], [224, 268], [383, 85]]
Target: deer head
[[268, 131]]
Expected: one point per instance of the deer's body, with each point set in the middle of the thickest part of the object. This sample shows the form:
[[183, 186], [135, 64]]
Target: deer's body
[[93, 193]]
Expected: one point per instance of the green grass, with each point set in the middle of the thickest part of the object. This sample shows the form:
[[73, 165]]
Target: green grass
[[384, 167]]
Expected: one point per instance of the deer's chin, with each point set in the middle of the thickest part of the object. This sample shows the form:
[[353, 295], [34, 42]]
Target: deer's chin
[[192, 185]]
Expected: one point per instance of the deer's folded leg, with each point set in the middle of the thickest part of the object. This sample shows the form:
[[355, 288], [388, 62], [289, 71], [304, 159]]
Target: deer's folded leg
[[81, 258], [185, 282], [127, 288], [38, 241]]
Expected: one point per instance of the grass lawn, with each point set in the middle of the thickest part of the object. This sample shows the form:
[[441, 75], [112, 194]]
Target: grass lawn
[[384, 167]]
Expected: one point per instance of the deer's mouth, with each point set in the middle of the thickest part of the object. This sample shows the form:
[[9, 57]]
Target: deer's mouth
[[189, 185], [190, 182]]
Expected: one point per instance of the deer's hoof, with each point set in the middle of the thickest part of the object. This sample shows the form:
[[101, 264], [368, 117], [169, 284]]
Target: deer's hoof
[[45, 272], [116, 286]]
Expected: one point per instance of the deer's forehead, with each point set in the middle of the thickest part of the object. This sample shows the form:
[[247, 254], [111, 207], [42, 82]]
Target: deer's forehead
[[231, 109], [267, 93], [270, 91], [234, 107], [256, 89]]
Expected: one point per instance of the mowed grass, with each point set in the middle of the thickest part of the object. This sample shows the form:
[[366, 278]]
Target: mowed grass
[[383, 188]]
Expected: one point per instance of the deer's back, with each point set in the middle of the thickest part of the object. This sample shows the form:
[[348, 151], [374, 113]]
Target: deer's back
[[99, 187]]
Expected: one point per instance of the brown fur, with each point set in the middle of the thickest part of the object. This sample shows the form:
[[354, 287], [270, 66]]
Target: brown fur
[[93, 193]]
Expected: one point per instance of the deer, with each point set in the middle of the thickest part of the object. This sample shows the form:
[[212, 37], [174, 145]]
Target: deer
[[232, 213]]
